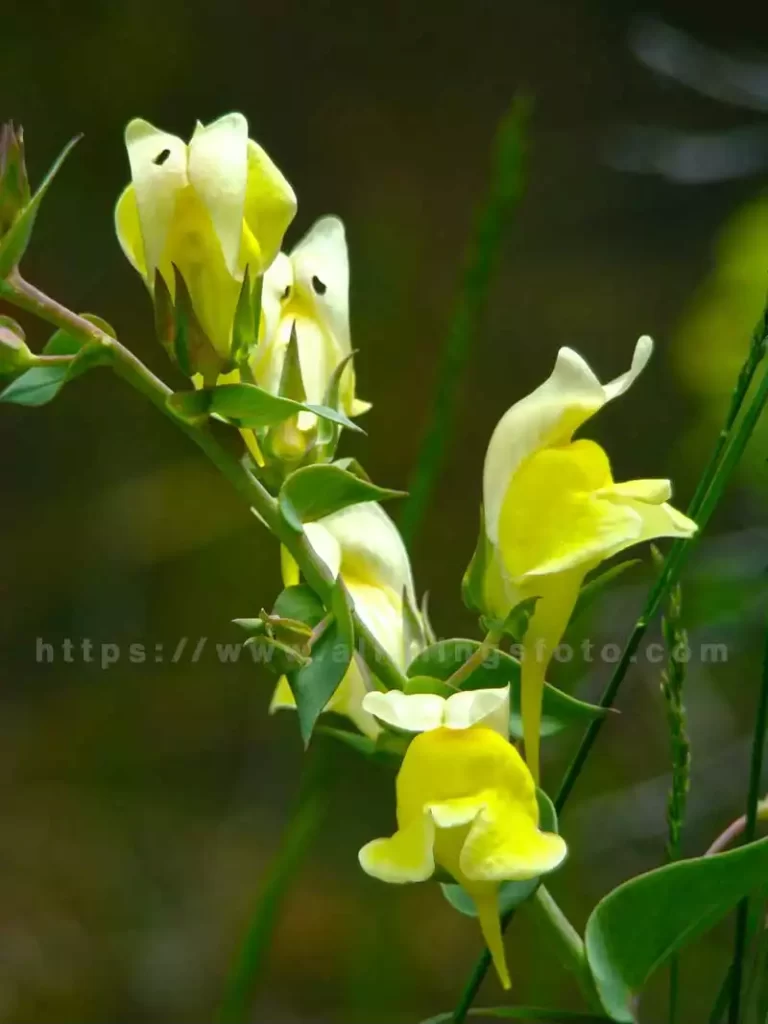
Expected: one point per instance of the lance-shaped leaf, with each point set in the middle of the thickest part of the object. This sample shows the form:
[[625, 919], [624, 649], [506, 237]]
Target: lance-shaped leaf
[[14, 242], [192, 348], [245, 405], [315, 683], [41, 384], [316, 491], [14, 184], [511, 894], [637, 927], [328, 433], [559, 710]]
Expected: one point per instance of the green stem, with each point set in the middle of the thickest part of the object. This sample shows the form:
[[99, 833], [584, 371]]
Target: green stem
[[750, 831], [504, 193], [568, 944], [298, 837], [475, 661], [729, 447], [127, 366]]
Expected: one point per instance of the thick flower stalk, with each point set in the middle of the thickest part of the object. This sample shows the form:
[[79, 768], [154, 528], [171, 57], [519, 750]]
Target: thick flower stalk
[[553, 512], [363, 546], [212, 209], [306, 296], [466, 803]]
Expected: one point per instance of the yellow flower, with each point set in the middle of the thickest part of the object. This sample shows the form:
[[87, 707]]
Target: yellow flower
[[553, 512], [211, 208], [466, 802], [362, 545], [308, 291]]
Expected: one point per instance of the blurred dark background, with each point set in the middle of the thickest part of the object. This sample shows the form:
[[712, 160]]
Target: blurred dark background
[[141, 804]]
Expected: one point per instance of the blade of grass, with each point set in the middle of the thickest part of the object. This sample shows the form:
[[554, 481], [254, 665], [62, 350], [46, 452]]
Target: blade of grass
[[492, 221]]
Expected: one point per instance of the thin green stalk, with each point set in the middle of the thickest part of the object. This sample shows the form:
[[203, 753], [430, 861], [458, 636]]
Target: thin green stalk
[[483, 255], [127, 366], [489, 644], [750, 831], [672, 683], [729, 447], [303, 826]]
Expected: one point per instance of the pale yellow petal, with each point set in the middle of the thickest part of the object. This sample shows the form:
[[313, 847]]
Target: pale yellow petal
[[159, 173], [412, 712], [218, 171], [348, 699], [321, 269], [128, 230], [270, 204], [653, 492], [325, 546], [479, 707]]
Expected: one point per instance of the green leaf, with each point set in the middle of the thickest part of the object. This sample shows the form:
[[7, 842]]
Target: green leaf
[[594, 587], [299, 602], [511, 894], [193, 349], [246, 405], [41, 384], [14, 243], [356, 741], [559, 710], [352, 466], [427, 684], [315, 683], [316, 491], [524, 1013], [254, 627], [638, 926], [474, 578]]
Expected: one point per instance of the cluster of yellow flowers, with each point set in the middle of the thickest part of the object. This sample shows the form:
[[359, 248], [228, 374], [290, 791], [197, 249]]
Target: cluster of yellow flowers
[[214, 212]]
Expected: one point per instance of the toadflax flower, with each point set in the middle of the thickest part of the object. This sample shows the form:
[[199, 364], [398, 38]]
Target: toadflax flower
[[212, 208], [362, 545], [466, 802], [307, 292], [553, 512]]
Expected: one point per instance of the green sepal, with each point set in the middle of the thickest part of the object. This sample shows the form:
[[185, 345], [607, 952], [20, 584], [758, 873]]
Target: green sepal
[[41, 384], [473, 582], [511, 894], [387, 748], [281, 658], [638, 926], [15, 239], [316, 491], [14, 184], [352, 466], [245, 327], [192, 348], [253, 627], [291, 381], [559, 710], [328, 433]]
